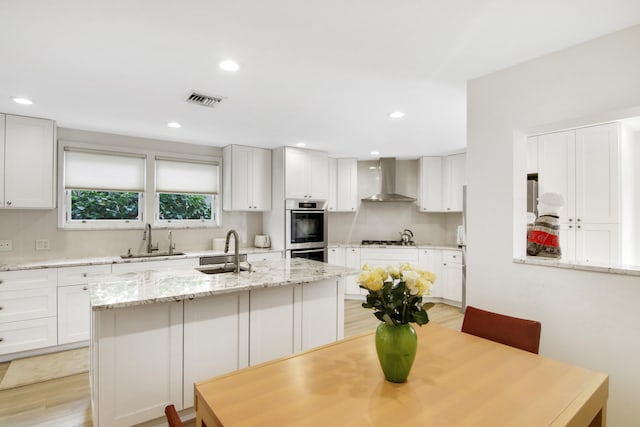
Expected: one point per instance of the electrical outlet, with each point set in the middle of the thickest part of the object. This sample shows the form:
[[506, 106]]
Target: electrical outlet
[[43, 244], [6, 245]]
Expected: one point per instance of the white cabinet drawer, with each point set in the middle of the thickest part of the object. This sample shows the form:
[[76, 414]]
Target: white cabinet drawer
[[264, 256], [27, 335], [452, 257], [27, 304], [388, 256], [79, 275], [27, 294], [28, 279]]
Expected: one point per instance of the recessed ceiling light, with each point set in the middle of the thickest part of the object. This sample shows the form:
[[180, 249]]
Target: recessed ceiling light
[[174, 125], [229, 65], [301, 144], [373, 168], [23, 101], [374, 153], [396, 114]]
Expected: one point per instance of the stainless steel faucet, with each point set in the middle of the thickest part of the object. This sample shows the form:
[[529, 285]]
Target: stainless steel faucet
[[172, 245], [150, 247], [236, 255]]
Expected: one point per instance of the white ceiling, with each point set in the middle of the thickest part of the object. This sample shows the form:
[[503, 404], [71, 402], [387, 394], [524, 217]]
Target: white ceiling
[[326, 72]]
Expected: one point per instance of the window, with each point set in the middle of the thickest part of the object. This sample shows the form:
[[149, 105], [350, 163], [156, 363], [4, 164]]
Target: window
[[103, 189], [186, 193]]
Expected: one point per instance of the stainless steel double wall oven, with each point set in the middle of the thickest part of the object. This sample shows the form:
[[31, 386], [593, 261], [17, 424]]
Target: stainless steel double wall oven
[[306, 229]]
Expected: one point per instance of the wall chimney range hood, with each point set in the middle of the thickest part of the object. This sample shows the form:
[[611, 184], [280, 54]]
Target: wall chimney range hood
[[388, 184]]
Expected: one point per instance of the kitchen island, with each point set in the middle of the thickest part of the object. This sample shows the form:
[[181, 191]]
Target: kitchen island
[[155, 333]]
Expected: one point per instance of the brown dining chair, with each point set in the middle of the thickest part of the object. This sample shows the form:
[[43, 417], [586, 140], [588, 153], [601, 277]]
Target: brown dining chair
[[172, 416], [512, 331]]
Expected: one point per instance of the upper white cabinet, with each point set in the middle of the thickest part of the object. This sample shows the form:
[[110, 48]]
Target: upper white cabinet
[[583, 166], [247, 178], [343, 185], [27, 162], [306, 174], [441, 182]]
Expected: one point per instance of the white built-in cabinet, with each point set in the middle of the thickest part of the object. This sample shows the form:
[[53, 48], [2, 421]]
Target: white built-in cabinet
[[246, 178], [431, 260], [74, 305], [452, 275], [148, 356], [343, 185], [347, 257], [216, 338], [27, 310], [306, 174], [441, 180], [27, 162], [584, 166]]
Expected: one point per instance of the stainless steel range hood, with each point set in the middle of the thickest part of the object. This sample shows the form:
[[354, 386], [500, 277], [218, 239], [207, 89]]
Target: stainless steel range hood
[[388, 184]]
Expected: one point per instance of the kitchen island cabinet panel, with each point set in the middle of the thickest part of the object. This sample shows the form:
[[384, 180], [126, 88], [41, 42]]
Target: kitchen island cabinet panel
[[140, 363], [216, 339], [271, 323], [322, 314]]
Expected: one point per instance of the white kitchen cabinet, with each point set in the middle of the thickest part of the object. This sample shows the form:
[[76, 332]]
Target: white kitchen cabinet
[[247, 178], [216, 338], [343, 185], [388, 256], [27, 310], [27, 168], [140, 354], [431, 260], [159, 265], [452, 276], [337, 256], [74, 306], [532, 155], [322, 314], [264, 256], [353, 260], [583, 166], [441, 181], [306, 174], [274, 312]]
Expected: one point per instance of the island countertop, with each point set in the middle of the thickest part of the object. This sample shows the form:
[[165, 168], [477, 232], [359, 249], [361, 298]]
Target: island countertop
[[149, 287]]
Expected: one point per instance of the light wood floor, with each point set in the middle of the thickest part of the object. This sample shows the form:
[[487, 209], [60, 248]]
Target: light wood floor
[[65, 402]]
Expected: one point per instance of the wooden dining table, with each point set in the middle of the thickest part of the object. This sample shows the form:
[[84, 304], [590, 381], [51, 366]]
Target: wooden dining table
[[457, 380]]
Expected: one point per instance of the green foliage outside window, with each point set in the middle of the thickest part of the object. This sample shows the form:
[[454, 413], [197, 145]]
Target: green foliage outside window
[[185, 206], [104, 205]]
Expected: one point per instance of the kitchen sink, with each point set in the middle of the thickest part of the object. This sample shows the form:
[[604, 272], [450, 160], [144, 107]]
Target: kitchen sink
[[151, 255]]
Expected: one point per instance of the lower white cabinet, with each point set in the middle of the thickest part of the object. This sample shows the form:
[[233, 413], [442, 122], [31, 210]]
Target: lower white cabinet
[[27, 310], [74, 306], [146, 357], [353, 260], [216, 338], [431, 260], [139, 351], [271, 323], [452, 276]]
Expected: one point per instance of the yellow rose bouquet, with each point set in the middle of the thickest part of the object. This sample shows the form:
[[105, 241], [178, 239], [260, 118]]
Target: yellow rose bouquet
[[395, 293]]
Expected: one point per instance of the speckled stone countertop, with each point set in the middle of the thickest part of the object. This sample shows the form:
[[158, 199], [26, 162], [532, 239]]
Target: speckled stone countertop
[[148, 287], [75, 262]]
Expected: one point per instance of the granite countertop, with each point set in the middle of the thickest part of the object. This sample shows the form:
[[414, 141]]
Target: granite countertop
[[131, 289], [75, 262]]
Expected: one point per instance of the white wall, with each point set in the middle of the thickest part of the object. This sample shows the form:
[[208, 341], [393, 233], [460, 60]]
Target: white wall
[[23, 227], [383, 221], [589, 319]]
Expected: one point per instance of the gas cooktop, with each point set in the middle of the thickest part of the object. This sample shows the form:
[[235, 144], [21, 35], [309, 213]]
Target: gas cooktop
[[387, 243]]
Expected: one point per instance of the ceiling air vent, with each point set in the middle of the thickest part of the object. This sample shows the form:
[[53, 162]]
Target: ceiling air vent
[[204, 100]]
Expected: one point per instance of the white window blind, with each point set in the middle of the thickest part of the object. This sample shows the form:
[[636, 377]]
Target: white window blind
[[102, 171], [178, 176]]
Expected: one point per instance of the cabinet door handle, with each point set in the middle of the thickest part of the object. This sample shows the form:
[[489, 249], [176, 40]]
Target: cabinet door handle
[[1, 281], [578, 219], [579, 226], [84, 274], [1, 308], [1, 339], [8, 203], [570, 219], [84, 288], [571, 226]]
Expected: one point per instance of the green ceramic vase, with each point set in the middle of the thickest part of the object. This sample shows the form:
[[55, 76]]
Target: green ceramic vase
[[396, 346]]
